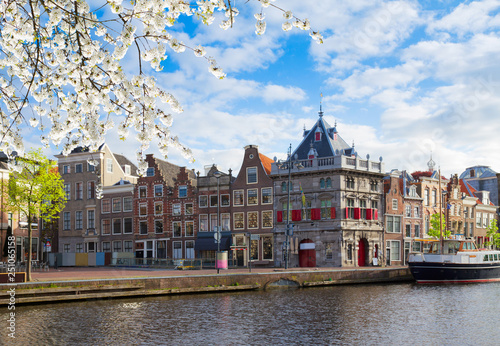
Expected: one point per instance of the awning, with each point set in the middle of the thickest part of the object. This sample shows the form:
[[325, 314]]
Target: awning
[[206, 241]]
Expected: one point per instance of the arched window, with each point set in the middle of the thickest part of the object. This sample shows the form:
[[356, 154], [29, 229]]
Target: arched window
[[328, 183], [322, 183], [283, 186]]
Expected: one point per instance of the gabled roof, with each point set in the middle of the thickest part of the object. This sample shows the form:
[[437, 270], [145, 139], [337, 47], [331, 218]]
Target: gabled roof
[[122, 161], [169, 171], [266, 163], [467, 188], [331, 144]]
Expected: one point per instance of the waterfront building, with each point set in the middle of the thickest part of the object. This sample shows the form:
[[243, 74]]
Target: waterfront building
[[252, 210], [214, 208], [84, 174], [335, 204], [165, 211]]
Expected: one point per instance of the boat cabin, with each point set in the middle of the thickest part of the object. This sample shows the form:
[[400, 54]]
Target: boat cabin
[[452, 246]]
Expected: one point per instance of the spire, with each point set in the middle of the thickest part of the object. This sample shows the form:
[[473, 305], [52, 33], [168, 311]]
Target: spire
[[321, 105], [431, 164]]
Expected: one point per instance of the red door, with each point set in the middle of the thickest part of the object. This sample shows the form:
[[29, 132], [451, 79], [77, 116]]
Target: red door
[[361, 253], [307, 253]]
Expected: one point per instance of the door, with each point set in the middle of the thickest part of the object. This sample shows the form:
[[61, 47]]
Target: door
[[362, 249], [189, 249], [177, 250], [307, 253]]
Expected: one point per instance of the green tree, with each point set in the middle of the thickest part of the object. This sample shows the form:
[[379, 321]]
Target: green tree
[[434, 230], [493, 235], [36, 190]]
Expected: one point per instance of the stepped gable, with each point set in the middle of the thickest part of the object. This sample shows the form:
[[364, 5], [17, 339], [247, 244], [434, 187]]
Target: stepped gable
[[266, 163], [168, 170], [322, 141]]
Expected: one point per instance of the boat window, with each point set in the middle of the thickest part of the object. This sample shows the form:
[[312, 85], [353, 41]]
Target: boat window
[[491, 257], [496, 257], [485, 258]]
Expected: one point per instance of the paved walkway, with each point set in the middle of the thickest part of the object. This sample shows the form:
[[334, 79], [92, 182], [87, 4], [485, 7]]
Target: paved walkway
[[89, 273]]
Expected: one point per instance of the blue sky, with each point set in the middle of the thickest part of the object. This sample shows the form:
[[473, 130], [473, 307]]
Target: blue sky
[[401, 78]]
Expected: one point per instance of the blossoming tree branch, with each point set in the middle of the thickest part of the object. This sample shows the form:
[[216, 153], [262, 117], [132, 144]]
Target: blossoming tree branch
[[61, 71]]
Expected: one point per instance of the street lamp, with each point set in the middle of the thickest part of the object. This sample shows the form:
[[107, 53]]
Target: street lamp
[[218, 174], [288, 164]]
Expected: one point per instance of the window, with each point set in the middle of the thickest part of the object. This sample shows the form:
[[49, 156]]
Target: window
[[267, 248], [176, 228], [407, 230], [66, 169], [213, 200], [349, 183], [408, 210], [322, 183], [306, 211], [127, 246], [394, 204], [267, 219], [434, 197], [78, 220], [143, 227], [267, 195], [90, 168], [478, 219], [67, 191], [189, 208], [417, 231], [78, 168], [326, 209], [109, 165], [90, 189], [328, 183], [252, 198], [67, 220], [79, 190], [117, 226], [150, 172], [159, 208], [416, 211], [189, 229], [253, 219], [393, 224], [225, 222], [350, 208], [349, 252], [362, 206], [143, 209], [90, 219], [106, 246], [127, 225], [238, 197], [254, 249], [373, 186], [176, 209], [127, 169], [158, 226], [79, 247], [213, 221], [158, 190], [238, 221], [426, 196], [224, 200], [106, 205], [328, 251], [203, 201], [117, 205], [143, 191], [251, 175], [127, 204], [204, 223], [117, 246], [394, 247], [183, 191], [67, 247], [106, 226]]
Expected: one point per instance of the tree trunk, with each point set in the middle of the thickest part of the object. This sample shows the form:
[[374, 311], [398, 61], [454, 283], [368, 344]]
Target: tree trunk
[[28, 263]]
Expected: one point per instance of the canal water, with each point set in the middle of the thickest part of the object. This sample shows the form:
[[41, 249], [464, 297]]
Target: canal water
[[385, 314]]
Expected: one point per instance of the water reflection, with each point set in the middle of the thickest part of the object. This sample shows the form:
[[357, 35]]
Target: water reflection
[[362, 314]]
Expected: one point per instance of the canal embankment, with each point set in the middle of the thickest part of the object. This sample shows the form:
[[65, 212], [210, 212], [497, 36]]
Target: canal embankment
[[102, 284]]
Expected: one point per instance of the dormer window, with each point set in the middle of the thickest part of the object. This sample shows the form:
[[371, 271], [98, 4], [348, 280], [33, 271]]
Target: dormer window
[[317, 135]]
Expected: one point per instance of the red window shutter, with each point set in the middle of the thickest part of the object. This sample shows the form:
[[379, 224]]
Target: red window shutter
[[346, 213], [279, 216], [315, 214], [376, 213], [296, 215], [369, 214], [333, 215], [357, 213]]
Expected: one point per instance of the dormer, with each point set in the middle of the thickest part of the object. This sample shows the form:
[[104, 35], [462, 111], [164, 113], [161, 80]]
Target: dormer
[[317, 134], [312, 153]]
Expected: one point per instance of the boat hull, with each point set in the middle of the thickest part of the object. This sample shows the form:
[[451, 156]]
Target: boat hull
[[435, 272]]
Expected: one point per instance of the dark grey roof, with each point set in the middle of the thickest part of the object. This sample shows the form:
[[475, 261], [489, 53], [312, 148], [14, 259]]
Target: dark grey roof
[[78, 150], [122, 182], [331, 144], [211, 180], [122, 161], [169, 171]]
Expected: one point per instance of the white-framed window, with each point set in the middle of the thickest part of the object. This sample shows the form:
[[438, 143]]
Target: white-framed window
[[105, 205], [67, 191], [363, 206], [90, 189], [66, 169], [326, 209], [203, 223], [128, 245], [158, 190], [66, 247], [349, 183], [238, 220], [79, 247], [408, 210], [224, 200], [213, 200], [90, 168], [66, 220], [350, 208], [143, 191], [416, 211], [238, 197], [478, 220], [267, 219], [106, 226], [253, 219], [183, 191], [393, 224], [143, 209], [127, 204], [176, 209], [267, 195], [109, 165], [434, 197], [417, 231], [78, 168], [203, 201], [251, 175], [117, 205], [213, 221], [395, 249], [158, 226], [79, 190], [91, 218], [188, 208], [143, 227], [189, 229], [267, 247], [127, 169], [106, 246], [189, 249], [176, 229], [158, 208], [78, 219], [150, 172], [117, 246], [225, 222], [91, 246], [117, 226], [252, 197], [128, 225], [177, 249], [426, 196]]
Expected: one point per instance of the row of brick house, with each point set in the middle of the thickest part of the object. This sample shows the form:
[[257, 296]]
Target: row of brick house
[[346, 211]]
